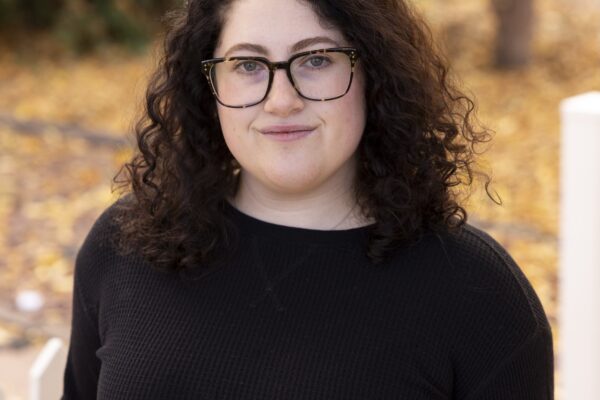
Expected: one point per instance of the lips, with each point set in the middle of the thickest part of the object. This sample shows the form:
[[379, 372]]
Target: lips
[[285, 129]]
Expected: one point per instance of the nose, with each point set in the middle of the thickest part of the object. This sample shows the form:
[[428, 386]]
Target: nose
[[283, 99]]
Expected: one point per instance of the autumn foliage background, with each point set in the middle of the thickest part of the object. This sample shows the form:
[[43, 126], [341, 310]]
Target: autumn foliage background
[[69, 98]]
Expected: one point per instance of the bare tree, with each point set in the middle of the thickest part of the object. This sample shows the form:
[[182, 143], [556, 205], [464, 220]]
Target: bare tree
[[514, 33]]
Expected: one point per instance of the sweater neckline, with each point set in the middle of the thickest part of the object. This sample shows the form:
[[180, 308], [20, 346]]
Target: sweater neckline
[[251, 226]]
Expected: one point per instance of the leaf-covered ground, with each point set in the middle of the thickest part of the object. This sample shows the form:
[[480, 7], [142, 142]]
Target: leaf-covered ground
[[55, 184]]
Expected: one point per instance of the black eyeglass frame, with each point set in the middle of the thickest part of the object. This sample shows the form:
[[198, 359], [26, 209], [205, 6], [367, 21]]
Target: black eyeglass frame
[[207, 68]]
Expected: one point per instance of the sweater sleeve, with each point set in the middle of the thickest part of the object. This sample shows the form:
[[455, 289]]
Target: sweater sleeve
[[527, 374], [83, 366]]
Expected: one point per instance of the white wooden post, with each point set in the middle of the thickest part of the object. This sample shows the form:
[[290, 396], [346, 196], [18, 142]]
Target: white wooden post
[[579, 272], [46, 373]]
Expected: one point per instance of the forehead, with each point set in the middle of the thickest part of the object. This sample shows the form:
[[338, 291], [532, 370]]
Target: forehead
[[273, 24]]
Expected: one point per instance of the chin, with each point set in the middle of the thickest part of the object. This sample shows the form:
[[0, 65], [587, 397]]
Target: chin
[[293, 182]]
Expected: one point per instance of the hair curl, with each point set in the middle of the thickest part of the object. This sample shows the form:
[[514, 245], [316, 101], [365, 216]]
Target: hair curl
[[418, 142]]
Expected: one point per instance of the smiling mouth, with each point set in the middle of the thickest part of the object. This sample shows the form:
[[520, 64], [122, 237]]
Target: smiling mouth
[[287, 132], [286, 129], [288, 135]]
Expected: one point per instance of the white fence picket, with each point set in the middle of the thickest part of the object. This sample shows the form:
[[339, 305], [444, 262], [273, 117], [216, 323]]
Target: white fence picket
[[579, 272], [46, 373]]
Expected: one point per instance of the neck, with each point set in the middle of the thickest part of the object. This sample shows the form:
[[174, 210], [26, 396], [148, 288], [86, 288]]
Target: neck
[[332, 206]]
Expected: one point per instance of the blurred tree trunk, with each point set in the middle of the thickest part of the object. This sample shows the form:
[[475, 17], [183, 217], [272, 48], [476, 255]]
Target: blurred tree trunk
[[514, 33]]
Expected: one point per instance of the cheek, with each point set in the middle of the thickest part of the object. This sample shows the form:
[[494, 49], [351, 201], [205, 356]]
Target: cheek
[[227, 121], [348, 117], [354, 101], [234, 125]]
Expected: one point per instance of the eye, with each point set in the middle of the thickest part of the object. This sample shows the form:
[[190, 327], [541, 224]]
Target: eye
[[248, 66], [317, 61]]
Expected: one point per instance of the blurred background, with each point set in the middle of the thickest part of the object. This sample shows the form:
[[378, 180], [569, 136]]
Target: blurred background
[[72, 78]]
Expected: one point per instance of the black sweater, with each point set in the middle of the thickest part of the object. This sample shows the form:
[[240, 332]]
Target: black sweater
[[302, 314]]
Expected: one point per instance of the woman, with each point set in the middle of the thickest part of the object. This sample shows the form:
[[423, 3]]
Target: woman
[[292, 232]]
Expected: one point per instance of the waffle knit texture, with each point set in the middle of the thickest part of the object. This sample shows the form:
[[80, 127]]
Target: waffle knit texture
[[298, 313]]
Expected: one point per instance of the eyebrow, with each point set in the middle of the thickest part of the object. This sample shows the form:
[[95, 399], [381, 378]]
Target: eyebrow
[[297, 46]]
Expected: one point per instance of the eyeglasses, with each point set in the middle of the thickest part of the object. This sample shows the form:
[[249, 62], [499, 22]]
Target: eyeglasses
[[319, 75]]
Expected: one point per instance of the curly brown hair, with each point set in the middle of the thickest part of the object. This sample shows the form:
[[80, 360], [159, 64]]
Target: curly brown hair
[[417, 146]]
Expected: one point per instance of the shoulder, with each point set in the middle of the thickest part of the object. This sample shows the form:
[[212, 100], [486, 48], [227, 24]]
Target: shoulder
[[488, 265], [102, 235], [493, 317], [98, 254], [489, 279], [491, 302]]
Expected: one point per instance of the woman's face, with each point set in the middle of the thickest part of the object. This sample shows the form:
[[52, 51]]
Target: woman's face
[[309, 161]]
